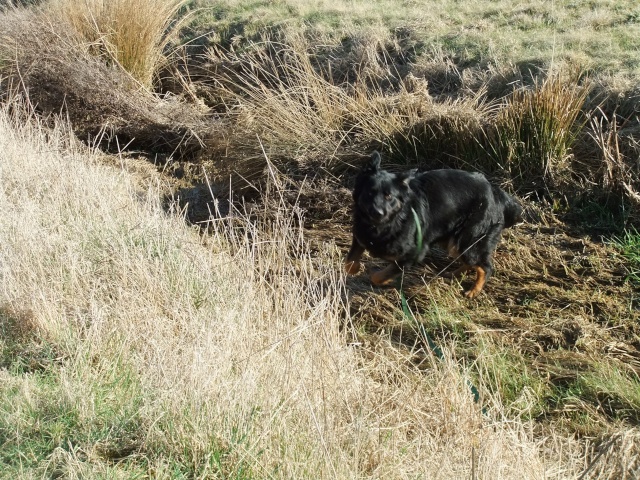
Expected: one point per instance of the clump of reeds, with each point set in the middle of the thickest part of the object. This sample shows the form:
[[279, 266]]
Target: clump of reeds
[[133, 34], [535, 131]]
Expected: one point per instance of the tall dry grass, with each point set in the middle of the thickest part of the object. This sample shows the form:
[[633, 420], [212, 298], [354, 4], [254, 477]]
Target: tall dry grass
[[537, 129], [133, 34], [43, 58], [226, 356], [305, 104]]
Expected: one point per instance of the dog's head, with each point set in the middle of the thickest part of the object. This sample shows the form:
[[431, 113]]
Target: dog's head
[[379, 195]]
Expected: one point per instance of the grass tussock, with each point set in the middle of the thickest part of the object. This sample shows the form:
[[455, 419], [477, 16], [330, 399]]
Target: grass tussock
[[229, 357], [133, 34], [537, 129], [613, 145]]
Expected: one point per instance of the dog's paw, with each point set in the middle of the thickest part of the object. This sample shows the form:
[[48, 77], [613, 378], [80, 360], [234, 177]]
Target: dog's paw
[[473, 293], [381, 279], [352, 268]]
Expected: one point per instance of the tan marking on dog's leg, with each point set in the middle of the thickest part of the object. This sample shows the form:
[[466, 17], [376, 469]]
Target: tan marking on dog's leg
[[352, 262], [386, 276], [480, 280], [352, 268]]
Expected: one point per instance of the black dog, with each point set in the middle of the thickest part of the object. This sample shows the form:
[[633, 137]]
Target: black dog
[[398, 217]]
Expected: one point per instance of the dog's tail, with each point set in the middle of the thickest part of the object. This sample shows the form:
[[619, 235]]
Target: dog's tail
[[512, 210]]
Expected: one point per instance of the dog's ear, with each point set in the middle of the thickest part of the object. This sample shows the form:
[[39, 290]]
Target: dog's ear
[[374, 163], [404, 178], [375, 160]]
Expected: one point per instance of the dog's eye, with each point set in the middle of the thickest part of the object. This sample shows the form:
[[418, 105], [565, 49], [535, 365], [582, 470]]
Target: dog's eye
[[387, 196]]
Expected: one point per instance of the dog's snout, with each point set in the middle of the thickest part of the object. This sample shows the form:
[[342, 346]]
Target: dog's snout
[[377, 211]]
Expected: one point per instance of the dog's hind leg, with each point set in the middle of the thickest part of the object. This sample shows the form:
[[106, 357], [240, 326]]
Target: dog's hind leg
[[387, 275], [479, 256], [482, 275], [352, 262]]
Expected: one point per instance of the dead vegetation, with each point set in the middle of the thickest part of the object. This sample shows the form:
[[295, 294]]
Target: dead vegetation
[[118, 32], [556, 334], [312, 100], [50, 66]]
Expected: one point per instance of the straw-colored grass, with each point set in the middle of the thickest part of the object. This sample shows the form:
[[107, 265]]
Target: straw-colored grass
[[304, 105], [133, 34], [536, 131], [131, 346]]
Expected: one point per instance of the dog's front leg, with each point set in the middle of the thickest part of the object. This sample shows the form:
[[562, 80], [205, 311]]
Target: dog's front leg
[[387, 275], [352, 262]]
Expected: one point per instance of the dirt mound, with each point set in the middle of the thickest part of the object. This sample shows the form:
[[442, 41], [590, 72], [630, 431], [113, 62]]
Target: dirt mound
[[104, 104]]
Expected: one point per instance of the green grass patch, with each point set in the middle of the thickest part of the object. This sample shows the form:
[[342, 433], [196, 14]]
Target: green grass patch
[[610, 389], [596, 394], [629, 245], [480, 32], [63, 413], [195, 456], [445, 327], [509, 374], [581, 394]]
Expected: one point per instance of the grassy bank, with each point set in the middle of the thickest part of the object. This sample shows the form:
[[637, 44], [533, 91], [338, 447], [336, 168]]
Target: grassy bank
[[131, 347], [599, 35]]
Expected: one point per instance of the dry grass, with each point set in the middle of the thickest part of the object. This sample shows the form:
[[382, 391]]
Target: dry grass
[[310, 101], [133, 34], [47, 62], [131, 346], [536, 130], [303, 105], [224, 356], [313, 99]]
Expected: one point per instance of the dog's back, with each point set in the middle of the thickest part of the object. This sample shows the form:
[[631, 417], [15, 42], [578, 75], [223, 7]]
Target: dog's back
[[459, 194]]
